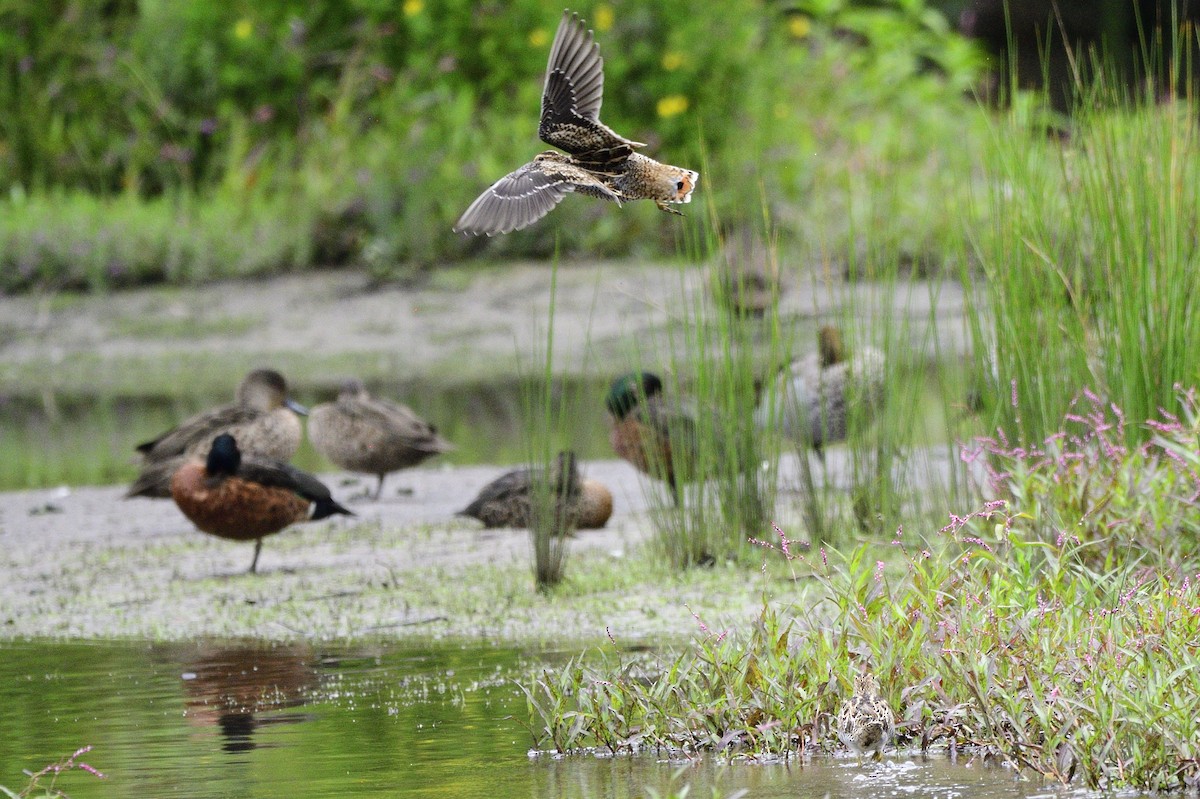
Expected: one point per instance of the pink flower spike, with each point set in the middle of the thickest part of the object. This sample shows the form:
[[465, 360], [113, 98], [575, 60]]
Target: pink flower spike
[[784, 544], [91, 770], [703, 627]]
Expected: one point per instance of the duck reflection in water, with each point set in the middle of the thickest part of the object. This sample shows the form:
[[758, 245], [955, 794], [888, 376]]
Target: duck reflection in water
[[238, 689]]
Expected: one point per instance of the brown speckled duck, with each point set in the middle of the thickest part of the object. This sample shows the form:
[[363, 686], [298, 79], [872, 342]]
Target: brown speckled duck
[[262, 419], [245, 498], [360, 433], [596, 160], [507, 501]]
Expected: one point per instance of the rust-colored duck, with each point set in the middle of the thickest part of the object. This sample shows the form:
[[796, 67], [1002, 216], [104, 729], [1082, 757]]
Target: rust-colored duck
[[246, 498]]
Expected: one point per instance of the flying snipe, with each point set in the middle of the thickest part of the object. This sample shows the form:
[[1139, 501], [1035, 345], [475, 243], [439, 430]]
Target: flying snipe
[[865, 723], [597, 161]]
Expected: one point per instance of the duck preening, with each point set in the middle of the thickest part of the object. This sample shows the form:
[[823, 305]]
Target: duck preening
[[247, 497]]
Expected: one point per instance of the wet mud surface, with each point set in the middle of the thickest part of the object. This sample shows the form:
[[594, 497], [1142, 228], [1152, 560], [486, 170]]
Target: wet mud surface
[[82, 562]]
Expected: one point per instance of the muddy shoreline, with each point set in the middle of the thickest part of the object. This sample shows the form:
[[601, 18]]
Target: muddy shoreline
[[80, 562]]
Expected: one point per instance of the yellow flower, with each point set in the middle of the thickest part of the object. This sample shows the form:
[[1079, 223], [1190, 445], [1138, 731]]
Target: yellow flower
[[243, 28], [799, 26], [538, 37], [603, 17], [672, 105], [672, 60], [413, 7]]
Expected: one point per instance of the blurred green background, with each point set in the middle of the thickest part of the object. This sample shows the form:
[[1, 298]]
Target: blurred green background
[[150, 140]]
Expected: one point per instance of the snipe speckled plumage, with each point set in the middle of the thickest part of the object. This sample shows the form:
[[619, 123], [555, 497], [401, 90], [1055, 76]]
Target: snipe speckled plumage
[[865, 723], [244, 498], [596, 160]]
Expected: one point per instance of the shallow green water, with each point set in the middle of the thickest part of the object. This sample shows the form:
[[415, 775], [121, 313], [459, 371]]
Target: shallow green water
[[253, 721], [51, 441]]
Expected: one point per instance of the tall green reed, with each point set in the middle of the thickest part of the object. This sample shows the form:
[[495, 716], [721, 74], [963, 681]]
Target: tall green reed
[[549, 431], [1090, 261], [712, 369], [892, 294]]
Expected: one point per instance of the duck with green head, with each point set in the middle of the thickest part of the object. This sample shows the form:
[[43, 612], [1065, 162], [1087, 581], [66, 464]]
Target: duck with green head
[[656, 436]]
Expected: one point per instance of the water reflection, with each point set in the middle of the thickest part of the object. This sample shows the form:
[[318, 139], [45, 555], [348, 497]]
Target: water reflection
[[238, 689], [211, 721]]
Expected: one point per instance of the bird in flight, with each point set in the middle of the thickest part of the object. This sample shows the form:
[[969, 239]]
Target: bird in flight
[[596, 160]]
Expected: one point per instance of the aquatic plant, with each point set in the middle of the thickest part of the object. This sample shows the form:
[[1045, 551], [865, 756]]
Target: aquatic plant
[[545, 423], [35, 789], [1121, 502], [710, 360], [988, 636]]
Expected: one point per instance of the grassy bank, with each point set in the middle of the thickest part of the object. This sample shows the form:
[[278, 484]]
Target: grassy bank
[[1052, 629]]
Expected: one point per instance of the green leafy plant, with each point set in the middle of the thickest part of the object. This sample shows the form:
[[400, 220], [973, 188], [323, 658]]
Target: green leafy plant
[[1085, 483], [1050, 629]]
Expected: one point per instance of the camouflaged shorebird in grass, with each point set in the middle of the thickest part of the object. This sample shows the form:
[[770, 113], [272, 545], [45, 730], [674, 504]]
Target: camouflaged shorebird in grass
[[865, 723], [597, 161]]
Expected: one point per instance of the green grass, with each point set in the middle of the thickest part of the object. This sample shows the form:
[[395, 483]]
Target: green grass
[[1009, 649], [1089, 260], [546, 421], [1052, 629]]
